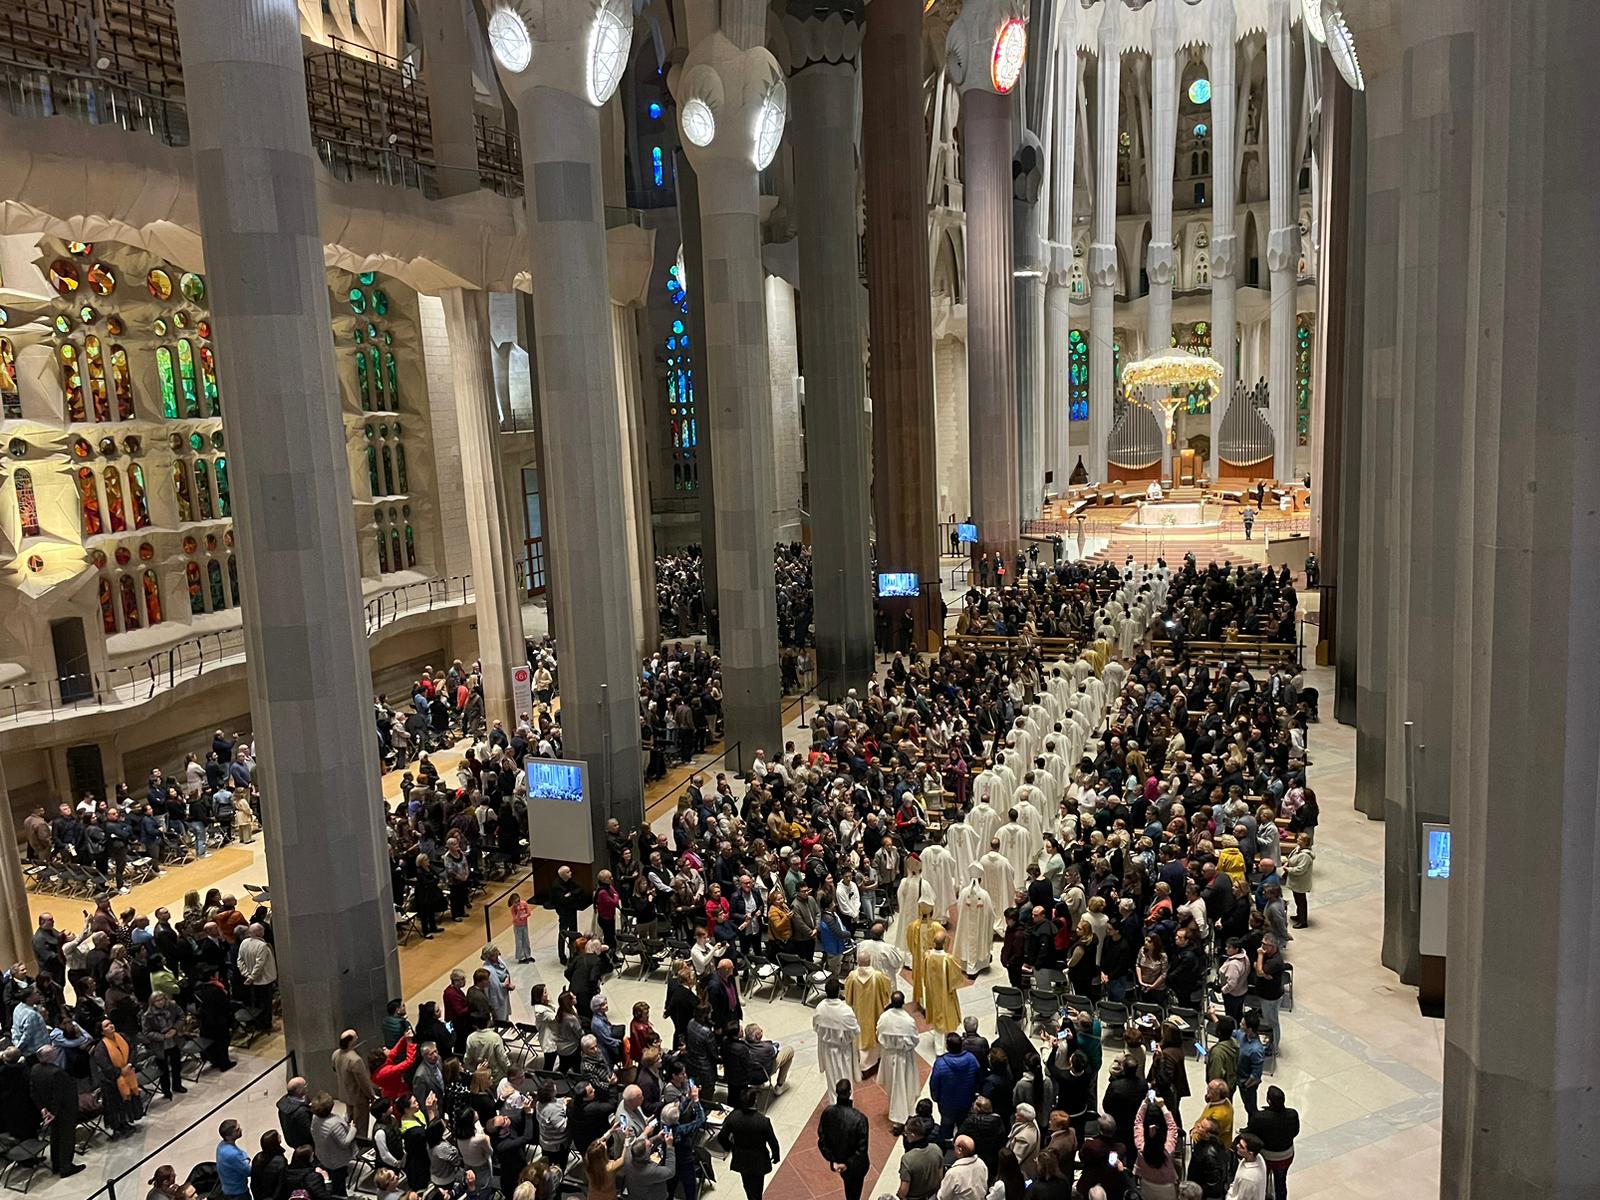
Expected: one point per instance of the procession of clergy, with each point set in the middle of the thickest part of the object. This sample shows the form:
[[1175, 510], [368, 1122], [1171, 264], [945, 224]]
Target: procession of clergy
[[951, 901]]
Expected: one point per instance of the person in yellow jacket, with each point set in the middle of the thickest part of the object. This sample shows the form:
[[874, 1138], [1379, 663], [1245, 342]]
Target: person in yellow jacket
[[780, 921], [1230, 860]]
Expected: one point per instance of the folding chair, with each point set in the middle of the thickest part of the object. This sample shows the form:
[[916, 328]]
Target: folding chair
[[1113, 1017], [1011, 1002], [1044, 1005], [23, 1157]]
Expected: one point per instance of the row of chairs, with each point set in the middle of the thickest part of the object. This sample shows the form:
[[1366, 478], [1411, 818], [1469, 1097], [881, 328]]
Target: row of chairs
[[785, 977]]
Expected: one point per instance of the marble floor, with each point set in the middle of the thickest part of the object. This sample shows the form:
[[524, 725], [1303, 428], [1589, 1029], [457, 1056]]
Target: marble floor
[[1359, 1062]]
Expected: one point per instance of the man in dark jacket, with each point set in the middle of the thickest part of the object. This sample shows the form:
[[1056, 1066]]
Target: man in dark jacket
[[987, 1129], [751, 1144], [294, 1115], [568, 899], [1210, 1162], [56, 1092], [842, 1140]]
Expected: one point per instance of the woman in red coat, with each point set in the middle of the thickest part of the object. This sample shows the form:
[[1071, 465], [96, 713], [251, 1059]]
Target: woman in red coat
[[392, 1079]]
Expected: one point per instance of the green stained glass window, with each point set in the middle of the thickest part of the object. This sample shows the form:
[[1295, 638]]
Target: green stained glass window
[[1303, 342], [224, 500], [208, 381], [1077, 376], [219, 599], [169, 387], [372, 470], [368, 278], [393, 373], [202, 489], [358, 300], [411, 546], [191, 396], [362, 382], [400, 467], [375, 367], [380, 301]]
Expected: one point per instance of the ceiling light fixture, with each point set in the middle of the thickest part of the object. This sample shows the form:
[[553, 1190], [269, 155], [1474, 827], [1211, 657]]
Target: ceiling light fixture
[[1342, 45], [769, 124], [698, 121], [510, 39], [1311, 13], [610, 38]]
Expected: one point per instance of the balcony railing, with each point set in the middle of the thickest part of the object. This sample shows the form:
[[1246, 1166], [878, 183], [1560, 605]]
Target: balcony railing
[[36, 701]]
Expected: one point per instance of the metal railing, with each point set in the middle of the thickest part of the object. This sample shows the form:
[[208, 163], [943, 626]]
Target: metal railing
[[195, 656]]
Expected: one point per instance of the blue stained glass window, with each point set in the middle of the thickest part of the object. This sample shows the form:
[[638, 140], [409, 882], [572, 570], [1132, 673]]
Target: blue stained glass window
[[1200, 91], [655, 111], [1200, 129], [657, 166], [1077, 376], [677, 327]]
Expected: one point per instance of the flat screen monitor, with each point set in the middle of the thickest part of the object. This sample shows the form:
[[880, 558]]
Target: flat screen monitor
[[552, 780], [1438, 854], [899, 583], [967, 534]]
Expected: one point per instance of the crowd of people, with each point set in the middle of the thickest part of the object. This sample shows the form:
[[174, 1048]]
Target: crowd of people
[[681, 593], [115, 1012], [1119, 828]]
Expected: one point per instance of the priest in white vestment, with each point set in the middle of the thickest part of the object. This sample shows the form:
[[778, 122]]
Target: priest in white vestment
[[914, 890], [1031, 817], [1017, 847], [963, 842], [882, 954], [939, 869], [985, 820], [974, 941], [838, 1033], [897, 1069], [999, 880]]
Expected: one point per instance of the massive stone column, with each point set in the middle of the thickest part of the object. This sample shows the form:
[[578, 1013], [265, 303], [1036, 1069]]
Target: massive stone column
[[587, 545], [1060, 181], [689, 226], [1353, 559], [496, 597], [305, 650], [16, 924], [824, 48], [1103, 249], [731, 81], [895, 162], [447, 65], [1376, 590], [1163, 152], [1224, 242], [1283, 236], [1521, 1073], [1435, 329], [991, 333], [1031, 164]]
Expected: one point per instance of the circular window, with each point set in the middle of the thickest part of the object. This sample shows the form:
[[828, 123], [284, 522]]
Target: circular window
[[372, 331], [406, 512], [64, 276], [67, 352], [133, 444], [211, 541], [197, 441], [87, 314], [161, 327], [367, 429], [116, 326], [180, 320], [227, 538], [367, 278], [17, 448], [193, 287], [216, 439], [383, 431], [81, 448], [63, 323], [146, 551], [159, 283], [175, 440], [358, 300], [102, 279], [5, 317], [1200, 91], [108, 447], [397, 429], [81, 249], [380, 301], [35, 563], [122, 556], [190, 545], [98, 558], [203, 328], [393, 515]]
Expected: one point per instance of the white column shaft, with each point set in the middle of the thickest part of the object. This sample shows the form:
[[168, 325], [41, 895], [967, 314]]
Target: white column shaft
[[1283, 238], [1103, 250]]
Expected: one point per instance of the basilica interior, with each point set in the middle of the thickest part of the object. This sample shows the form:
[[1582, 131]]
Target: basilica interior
[[344, 340]]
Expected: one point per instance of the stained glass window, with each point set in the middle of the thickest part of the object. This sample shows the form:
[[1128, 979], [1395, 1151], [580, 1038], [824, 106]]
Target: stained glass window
[[71, 382], [400, 467], [208, 381], [89, 501], [219, 598], [233, 579], [1304, 327], [10, 398], [202, 489], [108, 609], [372, 470], [169, 387], [152, 597], [376, 371], [197, 593], [180, 490], [362, 382], [113, 481], [122, 383], [138, 501], [130, 602], [383, 552], [97, 378], [394, 548], [411, 546], [224, 500], [27, 503], [191, 397], [1077, 376], [388, 473], [392, 370], [1196, 339], [683, 423]]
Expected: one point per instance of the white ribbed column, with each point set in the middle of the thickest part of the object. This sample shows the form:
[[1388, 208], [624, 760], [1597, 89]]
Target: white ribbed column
[[1283, 237], [1163, 149], [306, 659], [1224, 242], [494, 584], [1059, 182], [1103, 249]]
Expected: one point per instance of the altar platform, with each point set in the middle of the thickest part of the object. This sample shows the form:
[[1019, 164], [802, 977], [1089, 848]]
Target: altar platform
[[1186, 515]]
